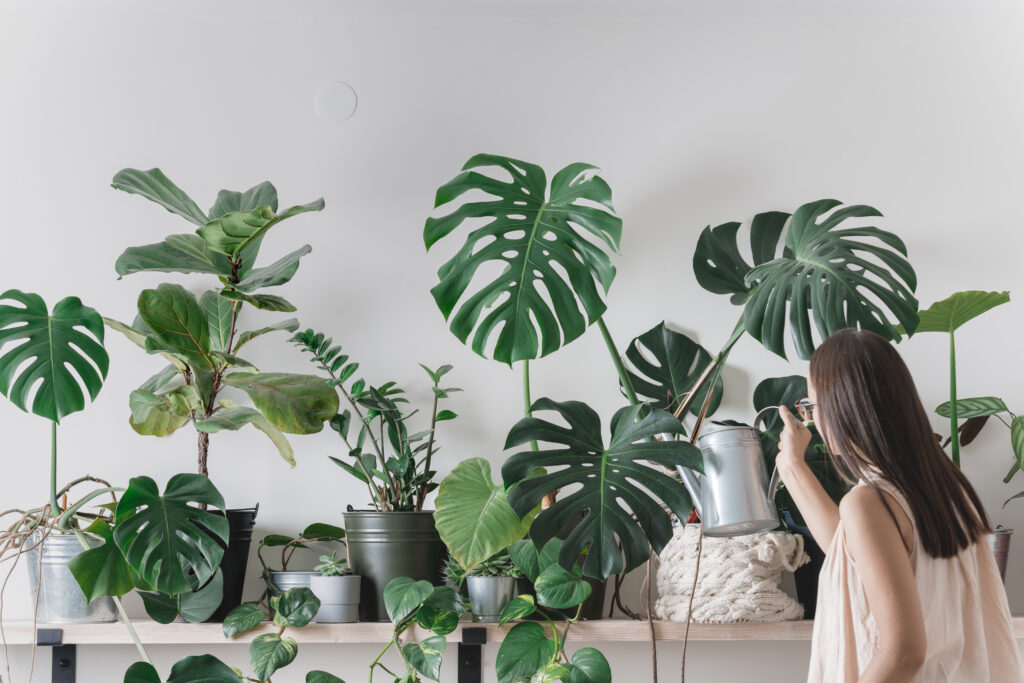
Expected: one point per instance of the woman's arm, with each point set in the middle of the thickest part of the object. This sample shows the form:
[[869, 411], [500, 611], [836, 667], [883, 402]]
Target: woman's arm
[[818, 510], [875, 543]]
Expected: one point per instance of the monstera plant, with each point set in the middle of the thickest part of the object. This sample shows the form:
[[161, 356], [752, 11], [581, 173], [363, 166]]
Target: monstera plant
[[199, 336]]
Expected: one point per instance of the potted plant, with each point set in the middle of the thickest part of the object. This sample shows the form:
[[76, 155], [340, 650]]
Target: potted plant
[[397, 537], [337, 589], [282, 579], [201, 339]]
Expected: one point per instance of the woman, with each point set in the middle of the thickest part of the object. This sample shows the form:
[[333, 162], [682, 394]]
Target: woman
[[910, 591]]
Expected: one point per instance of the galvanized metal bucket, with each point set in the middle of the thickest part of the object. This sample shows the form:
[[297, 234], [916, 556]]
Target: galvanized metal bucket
[[999, 539], [488, 595], [61, 601], [282, 581]]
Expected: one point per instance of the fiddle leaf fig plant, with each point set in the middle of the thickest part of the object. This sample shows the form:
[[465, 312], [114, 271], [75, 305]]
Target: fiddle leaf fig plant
[[622, 488], [200, 336]]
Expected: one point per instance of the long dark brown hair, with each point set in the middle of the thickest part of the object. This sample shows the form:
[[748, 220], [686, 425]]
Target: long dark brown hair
[[875, 426]]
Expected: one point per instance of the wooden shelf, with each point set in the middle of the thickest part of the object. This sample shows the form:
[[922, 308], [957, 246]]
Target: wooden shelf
[[606, 630]]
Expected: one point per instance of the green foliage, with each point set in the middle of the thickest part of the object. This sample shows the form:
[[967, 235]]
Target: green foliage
[[616, 482], [103, 570], [296, 404], [525, 650], [665, 367], [953, 312], [973, 407], [54, 354], [195, 606], [330, 565], [201, 669], [270, 652], [322, 677], [838, 276], [425, 656], [534, 233], [245, 617], [295, 607], [589, 666], [394, 464], [519, 607]]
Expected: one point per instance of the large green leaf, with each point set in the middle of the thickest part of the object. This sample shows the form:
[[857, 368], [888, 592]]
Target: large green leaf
[[665, 366], [295, 607], [194, 606], [473, 516], [178, 323], [561, 589], [161, 414], [270, 652], [973, 407], [277, 273], [441, 611], [102, 571], [835, 275], [156, 187], [403, 596], [296, 404], [951, 313], [235, 417], [230, 201], [525, 650], [425, 656], [186, 253], [53, 355], [589, 666], [530, 560], [551, 249], [245, 617], [519, 607], [160, 536], [201, 669], [621, 488], [232, 233], [218, 312]]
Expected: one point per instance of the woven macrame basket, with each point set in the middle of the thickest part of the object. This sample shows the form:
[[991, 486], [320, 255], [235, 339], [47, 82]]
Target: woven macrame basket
[[740, 577]]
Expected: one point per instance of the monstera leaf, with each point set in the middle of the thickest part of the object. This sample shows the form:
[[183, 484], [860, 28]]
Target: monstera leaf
[[201, 669], [666, 365], [58, 353], [552, 252], [616, 483], [473, 516], [161, 536], [835, 275]]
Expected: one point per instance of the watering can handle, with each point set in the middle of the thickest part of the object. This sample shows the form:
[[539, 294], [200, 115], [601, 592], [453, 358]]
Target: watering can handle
[[773, 484]]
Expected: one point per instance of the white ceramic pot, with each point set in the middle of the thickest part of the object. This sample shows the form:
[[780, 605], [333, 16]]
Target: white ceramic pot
[[339, 598]]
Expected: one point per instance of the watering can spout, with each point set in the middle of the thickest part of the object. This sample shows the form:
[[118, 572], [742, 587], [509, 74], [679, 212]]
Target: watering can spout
[[693, 487]]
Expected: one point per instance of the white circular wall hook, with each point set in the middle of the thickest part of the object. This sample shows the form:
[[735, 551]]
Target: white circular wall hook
[[336, 101]]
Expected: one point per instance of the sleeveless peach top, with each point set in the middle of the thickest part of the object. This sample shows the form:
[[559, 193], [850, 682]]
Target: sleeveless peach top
[[966, 616]]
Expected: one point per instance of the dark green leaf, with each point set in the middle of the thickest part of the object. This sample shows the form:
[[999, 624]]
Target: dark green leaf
[[176, 254], [296, 607], [161, 608], [270, 652], [245, 617], [102, 571], [531, 561], [534, 235], [425, 657], [218, 312], [441, 611], [228, 201], [142, 672], [158, 188], [560, 589], [160, 536], [296, 404], [289, 325], [403, 596], [446, 415], [277, 273], [325, 532], [974, 407], [525, 651], [178, 323], [616, 483], [203, 669], [54, 355], [265, 302], [233, 232], [589, 666], [322, 677], [520, 607], [198, 606], [951, 313], [664, 367]]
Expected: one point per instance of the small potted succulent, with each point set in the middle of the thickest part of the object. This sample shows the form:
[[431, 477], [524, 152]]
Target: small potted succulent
[[490, 585], [338, 591]]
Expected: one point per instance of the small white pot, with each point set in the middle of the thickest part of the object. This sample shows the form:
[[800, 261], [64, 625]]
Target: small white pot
[[339, 598]]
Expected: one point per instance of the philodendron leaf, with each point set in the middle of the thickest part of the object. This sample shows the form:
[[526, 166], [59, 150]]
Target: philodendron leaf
[[295, 404], [551, 252], [161, 414], [473, 516], [322, 677], [289, 325], [53, 355], [264, 302], [664, 365], [295, 608], [178, 323], [425, 656], [519, 607], [403, 596], [160, 536], [561, 589], [201, 669], [102, 571], [218, 312], [525, 651], [229, 201], [530, 560], [619, 484], [441, 611], [277, 273], [233, 232], [974, 407], [589, 666], [835, 275], [156, 187], [176, 254], [245, 617], [952, 312], [270, 652]]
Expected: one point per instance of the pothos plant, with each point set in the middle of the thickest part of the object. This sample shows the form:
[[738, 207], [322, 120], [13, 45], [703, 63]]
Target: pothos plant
[[394, 463], [200, 337], [317, 532]]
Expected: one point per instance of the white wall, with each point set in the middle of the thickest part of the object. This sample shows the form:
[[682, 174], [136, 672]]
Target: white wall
[[697, 112]]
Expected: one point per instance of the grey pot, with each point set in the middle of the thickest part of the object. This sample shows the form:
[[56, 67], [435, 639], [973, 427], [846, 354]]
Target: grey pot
[[61, 601], [282, 581], [339, 598], [488, 596], [999, 539]]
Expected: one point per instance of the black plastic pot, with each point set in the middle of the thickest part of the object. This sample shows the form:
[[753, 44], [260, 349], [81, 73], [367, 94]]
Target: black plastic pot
[[236, 557], [385, 545], [806, 577]]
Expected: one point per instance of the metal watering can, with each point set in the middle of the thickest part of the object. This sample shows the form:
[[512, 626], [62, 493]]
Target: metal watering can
[[734, 496]]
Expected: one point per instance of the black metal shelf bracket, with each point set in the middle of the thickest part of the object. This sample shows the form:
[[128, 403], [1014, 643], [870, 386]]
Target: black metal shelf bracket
[[65, 657], [471, 654]]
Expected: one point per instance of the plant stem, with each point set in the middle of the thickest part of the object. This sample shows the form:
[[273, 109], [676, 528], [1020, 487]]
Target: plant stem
[[373, 664], [527, 401], [954, 434], [624, 380], [64, 520], [422, 494], [55, 508], [713, 368]]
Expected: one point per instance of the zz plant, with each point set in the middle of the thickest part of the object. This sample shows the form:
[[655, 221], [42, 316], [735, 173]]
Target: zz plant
[[199, 336]]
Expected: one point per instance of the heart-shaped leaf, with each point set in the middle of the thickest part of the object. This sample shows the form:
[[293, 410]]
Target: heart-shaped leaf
[[524, 651], [142, 672], [543, 240], [835, 275], [102, 571], [530, 560], [425, 657], [296, 404], [441, 611], [560, 589], [54, 355], [616, 482], [322, 677], [953, 312], [665, 366], [519, 607], [974, 407], [178, 324], [589, 666], [160, 536], [473, 516], [270, 652], [296, 607], [245, 617], [403, 596]]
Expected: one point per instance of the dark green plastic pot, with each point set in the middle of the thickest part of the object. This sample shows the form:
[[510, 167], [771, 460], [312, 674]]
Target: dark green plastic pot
[[385, 545]]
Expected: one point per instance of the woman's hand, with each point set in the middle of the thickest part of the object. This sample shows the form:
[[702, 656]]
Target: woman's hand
[[792, 443], [818, 510]]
